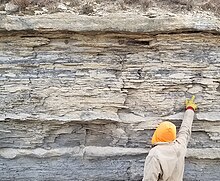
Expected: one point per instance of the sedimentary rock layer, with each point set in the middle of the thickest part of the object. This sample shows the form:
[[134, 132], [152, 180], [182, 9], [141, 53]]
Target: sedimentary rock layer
[[81, 96]]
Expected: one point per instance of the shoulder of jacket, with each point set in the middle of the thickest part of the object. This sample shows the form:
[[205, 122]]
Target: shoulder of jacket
[[179, 145], [154, 152]]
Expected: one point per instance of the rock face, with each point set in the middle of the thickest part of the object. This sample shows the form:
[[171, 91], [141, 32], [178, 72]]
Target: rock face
[[81, 96]]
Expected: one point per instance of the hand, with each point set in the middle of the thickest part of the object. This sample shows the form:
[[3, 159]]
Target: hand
[[190, 103]]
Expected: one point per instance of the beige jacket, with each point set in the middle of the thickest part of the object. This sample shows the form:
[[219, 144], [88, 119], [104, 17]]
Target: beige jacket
[[165, 161]]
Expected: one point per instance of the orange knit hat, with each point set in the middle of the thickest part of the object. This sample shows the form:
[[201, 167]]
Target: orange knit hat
[[165, 132]]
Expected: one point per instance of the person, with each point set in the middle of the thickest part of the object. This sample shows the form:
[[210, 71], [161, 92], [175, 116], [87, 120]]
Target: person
[[165, 160]]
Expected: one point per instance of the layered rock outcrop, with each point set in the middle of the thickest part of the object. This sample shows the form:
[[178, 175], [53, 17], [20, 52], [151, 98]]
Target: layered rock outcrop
[[81, 96]]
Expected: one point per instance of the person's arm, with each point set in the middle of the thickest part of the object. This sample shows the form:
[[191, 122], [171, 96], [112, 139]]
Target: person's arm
[[152, 169], [185, 129]]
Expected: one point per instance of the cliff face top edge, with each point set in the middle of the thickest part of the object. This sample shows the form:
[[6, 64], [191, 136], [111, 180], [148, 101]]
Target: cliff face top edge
[[117, 22]]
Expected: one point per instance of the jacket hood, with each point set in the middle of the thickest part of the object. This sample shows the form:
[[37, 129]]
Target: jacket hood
[[165, 132]]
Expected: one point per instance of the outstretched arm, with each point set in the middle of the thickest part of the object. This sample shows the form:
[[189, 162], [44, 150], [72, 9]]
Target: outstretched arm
[[185, 129]]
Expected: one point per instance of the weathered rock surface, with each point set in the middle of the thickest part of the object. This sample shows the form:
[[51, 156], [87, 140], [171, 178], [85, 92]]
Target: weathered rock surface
[[80, 96]]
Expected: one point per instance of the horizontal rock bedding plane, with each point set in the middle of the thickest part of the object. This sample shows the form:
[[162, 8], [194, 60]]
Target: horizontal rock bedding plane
[[91, 152], [115, 22], [80, 96]]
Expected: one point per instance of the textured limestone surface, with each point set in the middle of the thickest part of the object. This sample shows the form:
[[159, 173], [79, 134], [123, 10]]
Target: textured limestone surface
[[81, 96]]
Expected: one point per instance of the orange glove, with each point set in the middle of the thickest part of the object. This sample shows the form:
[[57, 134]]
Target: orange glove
[[190, 104]]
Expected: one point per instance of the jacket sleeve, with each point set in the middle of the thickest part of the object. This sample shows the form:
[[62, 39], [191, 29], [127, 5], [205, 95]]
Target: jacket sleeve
[[185, 129], [152, 169]]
